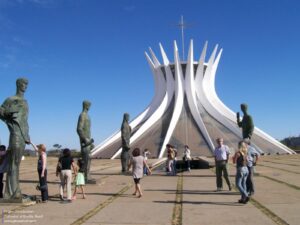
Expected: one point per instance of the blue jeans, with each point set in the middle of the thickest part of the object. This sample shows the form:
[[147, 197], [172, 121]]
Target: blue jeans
[[174, 167], [240, 181]]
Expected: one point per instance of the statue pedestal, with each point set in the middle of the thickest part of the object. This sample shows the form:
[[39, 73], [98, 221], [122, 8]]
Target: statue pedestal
[[25, 200]]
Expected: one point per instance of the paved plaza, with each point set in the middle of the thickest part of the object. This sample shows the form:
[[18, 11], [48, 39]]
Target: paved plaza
[[188, 198]]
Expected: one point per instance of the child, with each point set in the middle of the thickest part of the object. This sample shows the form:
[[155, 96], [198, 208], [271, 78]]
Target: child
[[79, 180]]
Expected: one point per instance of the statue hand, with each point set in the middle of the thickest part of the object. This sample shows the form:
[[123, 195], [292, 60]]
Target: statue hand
[[8, 115]]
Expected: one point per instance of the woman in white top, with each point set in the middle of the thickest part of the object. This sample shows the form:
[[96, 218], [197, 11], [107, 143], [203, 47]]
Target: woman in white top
[[42, 170], [187, 157], [138, 162]]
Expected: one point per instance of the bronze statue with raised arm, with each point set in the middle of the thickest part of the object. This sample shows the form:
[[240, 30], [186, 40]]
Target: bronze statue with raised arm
[[14, 112], [125, 134], [86, 142], [246, 124]]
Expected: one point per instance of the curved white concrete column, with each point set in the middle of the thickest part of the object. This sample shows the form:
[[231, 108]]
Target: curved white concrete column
[[160, 83], [191, 97], [178, 100], [230, 115]]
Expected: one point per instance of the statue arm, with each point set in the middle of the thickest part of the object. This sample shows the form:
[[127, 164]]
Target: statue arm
[[238, 120], [4, 111]]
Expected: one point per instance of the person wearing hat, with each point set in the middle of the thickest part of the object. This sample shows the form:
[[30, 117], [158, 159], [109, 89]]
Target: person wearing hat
[[42, 171]]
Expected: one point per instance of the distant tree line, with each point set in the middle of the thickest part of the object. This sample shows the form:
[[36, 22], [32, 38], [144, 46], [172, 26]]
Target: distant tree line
[[56, 151], [292, 142]]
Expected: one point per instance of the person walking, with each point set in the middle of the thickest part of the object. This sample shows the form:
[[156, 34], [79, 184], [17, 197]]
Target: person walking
[[170, 160], [42, 170], [240, 159], [221, 154], [66, 162], [187, 157], [138, 162]]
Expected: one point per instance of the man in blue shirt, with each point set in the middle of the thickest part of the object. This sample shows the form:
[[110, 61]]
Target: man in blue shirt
[[221, 154], [252, 157]]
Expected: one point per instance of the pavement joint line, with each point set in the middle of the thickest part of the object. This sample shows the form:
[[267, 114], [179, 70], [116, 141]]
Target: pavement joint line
[[261, 207], [289, 171], [279, 181], [177, 210], [289, 164], [268, 212], [28, 205], [101, 206]]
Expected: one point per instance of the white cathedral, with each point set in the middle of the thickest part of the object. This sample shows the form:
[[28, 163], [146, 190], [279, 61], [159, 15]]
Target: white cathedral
[[186, 110]]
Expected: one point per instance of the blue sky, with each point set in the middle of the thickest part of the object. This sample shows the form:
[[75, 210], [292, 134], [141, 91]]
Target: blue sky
[[71, 50]]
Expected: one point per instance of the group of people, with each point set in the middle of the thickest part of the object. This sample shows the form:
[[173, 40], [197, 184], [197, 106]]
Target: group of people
[[171, 162], [245, 159], [63, 170]]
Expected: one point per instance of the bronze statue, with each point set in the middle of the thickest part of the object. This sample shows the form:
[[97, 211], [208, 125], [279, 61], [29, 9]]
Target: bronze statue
[[247, 122], [86, 142], [14, 112], [125, 133]]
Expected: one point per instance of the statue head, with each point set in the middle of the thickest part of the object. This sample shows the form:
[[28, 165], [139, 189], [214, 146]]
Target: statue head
[[86, 104], [126, 117], [244, 108], [21, 84]]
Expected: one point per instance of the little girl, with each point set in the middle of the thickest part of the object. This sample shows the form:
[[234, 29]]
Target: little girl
[[79, 180]]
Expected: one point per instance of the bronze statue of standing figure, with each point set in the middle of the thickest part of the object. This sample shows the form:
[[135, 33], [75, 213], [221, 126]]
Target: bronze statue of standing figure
[[125, 134], [246, 124], [14, 112], [86, 142]]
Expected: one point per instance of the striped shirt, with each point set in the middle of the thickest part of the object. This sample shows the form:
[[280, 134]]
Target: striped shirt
[[221, 153]]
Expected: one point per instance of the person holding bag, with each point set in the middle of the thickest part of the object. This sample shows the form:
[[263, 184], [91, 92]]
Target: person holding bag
[[66, 162]]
